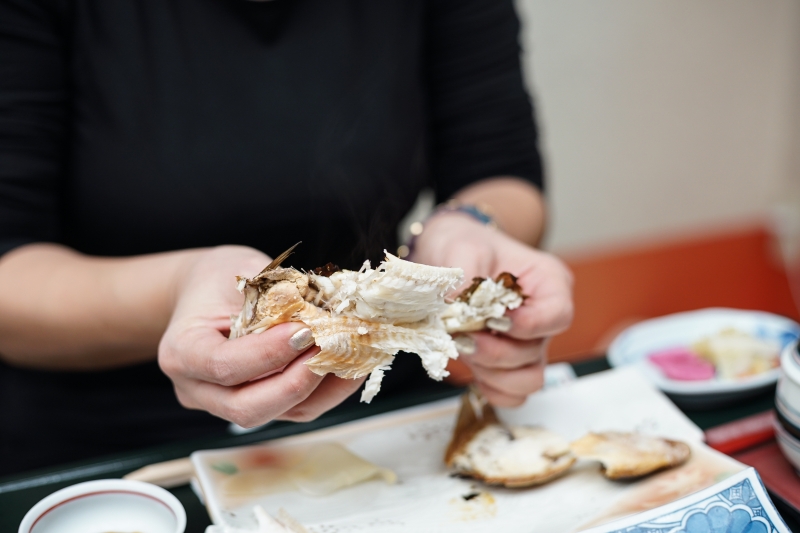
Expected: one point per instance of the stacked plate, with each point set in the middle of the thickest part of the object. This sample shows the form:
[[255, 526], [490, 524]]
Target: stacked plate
[[787, 405]]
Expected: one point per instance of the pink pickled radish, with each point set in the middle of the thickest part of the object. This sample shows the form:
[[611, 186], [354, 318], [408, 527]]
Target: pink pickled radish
[[682, 364]]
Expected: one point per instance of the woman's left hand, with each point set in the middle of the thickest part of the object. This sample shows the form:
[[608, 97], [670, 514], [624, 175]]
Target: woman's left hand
[[507, 365]]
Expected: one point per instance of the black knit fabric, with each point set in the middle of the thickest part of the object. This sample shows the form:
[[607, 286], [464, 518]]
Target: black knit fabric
[[139, 126]]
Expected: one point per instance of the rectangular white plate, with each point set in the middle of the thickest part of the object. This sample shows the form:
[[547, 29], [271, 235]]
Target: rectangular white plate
[[412, 442]]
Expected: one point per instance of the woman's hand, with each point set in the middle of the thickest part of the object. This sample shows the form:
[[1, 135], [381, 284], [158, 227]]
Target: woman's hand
[[507, 365], [224, 377]]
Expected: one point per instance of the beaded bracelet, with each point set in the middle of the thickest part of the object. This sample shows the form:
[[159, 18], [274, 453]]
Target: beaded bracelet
[[480, 214]]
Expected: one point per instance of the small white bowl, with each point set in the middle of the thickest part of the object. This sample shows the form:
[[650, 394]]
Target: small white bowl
[[106, 505]]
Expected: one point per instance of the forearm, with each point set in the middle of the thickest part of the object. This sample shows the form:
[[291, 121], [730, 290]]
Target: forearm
[[63, 310], [517, 206]]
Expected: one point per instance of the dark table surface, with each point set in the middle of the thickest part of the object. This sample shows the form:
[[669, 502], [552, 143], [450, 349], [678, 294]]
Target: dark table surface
[[20, 492]]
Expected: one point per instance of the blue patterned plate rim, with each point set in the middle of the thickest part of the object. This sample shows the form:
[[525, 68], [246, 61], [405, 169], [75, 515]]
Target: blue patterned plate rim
[[739, 504]]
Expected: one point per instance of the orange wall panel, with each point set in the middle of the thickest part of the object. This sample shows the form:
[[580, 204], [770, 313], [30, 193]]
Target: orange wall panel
[[614, 289]]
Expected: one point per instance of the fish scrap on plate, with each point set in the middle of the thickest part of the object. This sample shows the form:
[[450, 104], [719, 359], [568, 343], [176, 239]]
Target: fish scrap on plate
[[484, 448]]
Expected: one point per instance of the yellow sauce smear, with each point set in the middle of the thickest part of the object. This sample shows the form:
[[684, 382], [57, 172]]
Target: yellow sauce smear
[[324, 469], [475, 506]]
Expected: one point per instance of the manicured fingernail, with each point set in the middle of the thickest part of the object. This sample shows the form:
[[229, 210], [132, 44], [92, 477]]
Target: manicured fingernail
[[502, 324], [465, 344], [301, 340]]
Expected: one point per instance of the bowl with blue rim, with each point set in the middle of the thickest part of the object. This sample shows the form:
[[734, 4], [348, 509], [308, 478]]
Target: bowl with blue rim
[[641, 343]]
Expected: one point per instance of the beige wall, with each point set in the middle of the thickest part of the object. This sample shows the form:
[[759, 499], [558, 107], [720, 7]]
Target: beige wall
[[663, 116]]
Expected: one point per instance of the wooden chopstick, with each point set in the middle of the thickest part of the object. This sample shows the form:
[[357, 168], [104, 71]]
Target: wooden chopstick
[[168, 474]]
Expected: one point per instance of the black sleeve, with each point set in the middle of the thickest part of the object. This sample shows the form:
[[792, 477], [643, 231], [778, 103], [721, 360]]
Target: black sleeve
[[33, 113], [481, 116]]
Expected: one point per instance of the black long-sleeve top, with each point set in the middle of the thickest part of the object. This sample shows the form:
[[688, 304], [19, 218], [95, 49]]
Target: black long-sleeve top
[[140, 126]]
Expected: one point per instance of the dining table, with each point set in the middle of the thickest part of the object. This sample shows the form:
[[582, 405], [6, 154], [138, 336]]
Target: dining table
[[18, 493]]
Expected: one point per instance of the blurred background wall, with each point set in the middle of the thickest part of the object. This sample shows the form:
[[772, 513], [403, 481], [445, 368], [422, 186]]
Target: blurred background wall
[[671, 134]]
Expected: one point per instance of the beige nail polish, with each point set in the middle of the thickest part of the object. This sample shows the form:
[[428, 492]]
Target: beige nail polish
[[465, 345], [301, 340], [502, 324]]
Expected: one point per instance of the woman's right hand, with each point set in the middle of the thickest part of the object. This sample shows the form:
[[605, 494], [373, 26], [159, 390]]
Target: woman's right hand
[[223, 376]]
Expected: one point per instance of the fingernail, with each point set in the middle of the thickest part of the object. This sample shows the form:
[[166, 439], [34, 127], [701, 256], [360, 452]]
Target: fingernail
[[502, 324], [465, 345], [301, 340]]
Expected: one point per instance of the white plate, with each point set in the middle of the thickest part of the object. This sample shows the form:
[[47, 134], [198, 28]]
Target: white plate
[[632, 346]]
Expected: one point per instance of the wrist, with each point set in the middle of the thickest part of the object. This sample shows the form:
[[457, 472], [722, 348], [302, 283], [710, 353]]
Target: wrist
[[517, 206], [452, 229], [453, 209]]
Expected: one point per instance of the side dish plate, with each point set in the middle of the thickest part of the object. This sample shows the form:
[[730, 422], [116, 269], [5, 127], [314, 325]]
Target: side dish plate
[[633, 345]]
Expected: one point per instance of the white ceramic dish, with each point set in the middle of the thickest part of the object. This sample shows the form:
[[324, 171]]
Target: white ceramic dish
[[632, 346], [106, 505]]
